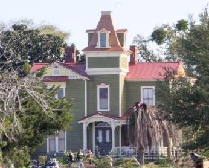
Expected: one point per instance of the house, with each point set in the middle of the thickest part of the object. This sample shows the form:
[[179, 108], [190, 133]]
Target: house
[[103, 88]]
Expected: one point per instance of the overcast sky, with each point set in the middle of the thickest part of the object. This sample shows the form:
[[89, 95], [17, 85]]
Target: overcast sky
[[75, 16]]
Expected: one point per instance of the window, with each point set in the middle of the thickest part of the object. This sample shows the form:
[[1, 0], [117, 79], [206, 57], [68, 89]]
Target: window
[[60, 93], [57, 143], [148, 95], [103, 98], [103, 40], [56, 70]]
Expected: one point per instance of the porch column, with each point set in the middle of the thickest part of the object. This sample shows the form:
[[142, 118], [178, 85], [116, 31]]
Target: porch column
[[113, 135], [85, 135]]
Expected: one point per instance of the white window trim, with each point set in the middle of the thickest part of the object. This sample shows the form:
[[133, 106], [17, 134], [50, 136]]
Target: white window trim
[[107, 38], [57, 144], [98, 98], [148, 87]]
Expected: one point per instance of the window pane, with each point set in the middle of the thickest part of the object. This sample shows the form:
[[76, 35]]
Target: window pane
[[102, 39], [52, 144], [99, 138], [60, 93], [61, 146], [107, 135], [148, 96], [103, 98]]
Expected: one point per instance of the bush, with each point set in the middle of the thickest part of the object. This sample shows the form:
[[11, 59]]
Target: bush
[[103, 162], [42, 160], [163, 161]]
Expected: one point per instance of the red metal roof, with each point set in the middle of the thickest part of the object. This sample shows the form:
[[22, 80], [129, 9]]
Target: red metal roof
[[55, 78], [151, 70], [38, 66]]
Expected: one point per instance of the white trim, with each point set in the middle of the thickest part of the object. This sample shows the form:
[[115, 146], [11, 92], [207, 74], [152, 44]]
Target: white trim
[[120, 95], [99, 71], [85, 98], [93, 137], [107, 38], [98, 98], [65, 141], [148, 87]]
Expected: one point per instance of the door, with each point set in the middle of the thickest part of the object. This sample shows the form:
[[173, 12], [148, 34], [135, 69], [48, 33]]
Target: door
[[103, 139]]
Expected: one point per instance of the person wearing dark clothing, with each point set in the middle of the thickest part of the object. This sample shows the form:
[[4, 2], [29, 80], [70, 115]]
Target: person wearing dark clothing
[[70, 159]]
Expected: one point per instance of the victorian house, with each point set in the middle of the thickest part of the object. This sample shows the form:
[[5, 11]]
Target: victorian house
[[103, 88]]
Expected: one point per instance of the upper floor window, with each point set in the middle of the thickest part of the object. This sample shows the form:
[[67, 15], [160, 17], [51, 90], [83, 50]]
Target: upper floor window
[[57, 143], [103, 39], [148, 95], [56, 70], [103, 42], [103, 98]]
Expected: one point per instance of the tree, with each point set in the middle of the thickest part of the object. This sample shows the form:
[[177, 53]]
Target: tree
[[23, 96], [186, 102], [30, 44], [52, 30], [146, 129]]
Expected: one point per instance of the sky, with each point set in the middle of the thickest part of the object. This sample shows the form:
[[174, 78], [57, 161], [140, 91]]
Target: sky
[[75, 16]]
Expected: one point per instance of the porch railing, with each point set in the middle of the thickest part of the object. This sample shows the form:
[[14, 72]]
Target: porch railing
[[129, 151]]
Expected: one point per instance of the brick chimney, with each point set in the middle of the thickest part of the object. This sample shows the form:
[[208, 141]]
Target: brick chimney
[[70, 54], [134, 55]]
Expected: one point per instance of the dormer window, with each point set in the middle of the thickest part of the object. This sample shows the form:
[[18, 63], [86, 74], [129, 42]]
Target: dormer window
[[103, 39]]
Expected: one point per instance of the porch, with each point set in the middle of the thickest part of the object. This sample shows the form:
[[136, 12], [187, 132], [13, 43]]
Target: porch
[[102, 131]]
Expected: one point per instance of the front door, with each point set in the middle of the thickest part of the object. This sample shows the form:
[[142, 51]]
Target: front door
[[103, 139]]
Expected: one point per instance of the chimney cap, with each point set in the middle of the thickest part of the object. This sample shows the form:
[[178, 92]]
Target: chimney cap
[[106, 12]]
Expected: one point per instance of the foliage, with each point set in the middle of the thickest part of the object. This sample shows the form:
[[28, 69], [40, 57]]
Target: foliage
[[158, 36], [42, 159], [103, 162], [51, 29], [24, 99], [163, 161], [187, 101], [182, 25], [30, 45], [126, 163], [145, 53]]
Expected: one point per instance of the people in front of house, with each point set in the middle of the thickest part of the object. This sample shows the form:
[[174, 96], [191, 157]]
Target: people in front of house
[[79, 158], [70, 159]]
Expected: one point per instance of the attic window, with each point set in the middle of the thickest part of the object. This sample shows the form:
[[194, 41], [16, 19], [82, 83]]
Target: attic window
[[103, 39], [56, 70]]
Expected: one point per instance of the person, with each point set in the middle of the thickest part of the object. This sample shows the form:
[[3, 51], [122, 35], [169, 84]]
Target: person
[[79, 159], [89, 156], [70, 159]]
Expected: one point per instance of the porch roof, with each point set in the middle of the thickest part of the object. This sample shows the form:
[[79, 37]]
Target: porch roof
[[100, 115]]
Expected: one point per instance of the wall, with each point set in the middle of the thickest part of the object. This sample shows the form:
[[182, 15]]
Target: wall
[[113, 82]]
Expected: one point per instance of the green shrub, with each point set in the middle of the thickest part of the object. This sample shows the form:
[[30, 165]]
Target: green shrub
[[42, 160], [163, 161]]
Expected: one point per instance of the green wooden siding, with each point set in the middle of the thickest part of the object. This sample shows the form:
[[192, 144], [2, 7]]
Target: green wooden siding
[[133, 91], [103, 62], [113, 82], [76, 89]]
